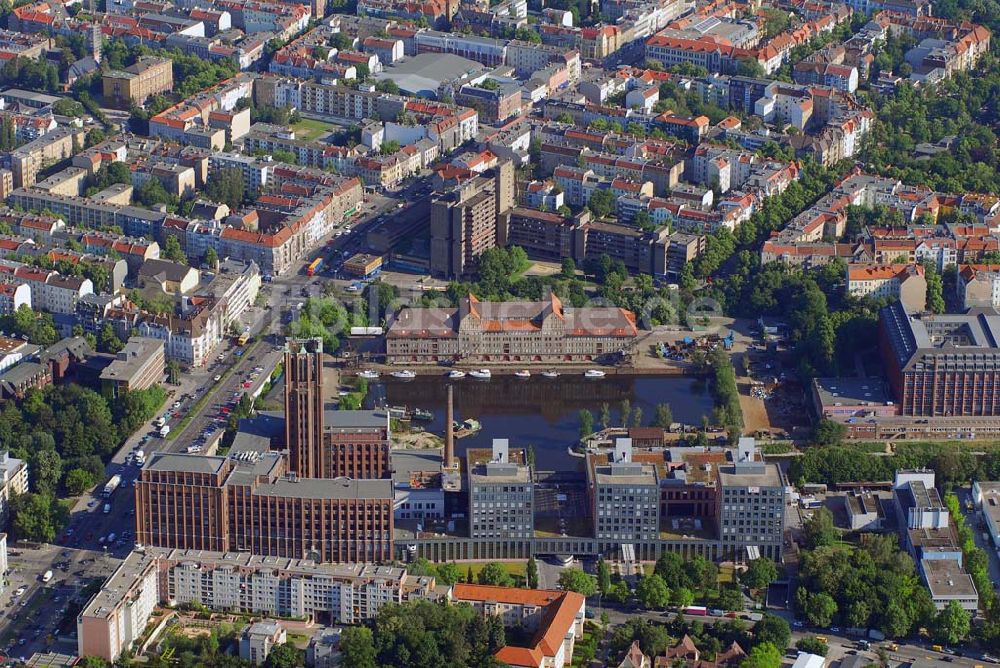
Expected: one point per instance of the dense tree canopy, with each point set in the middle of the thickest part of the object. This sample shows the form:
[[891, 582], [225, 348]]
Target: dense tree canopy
[[873, 586]]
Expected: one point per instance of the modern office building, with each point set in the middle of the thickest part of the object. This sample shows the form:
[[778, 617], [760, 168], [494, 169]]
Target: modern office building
[[942, 365], [624, 496], [751, 506], [501, 493], [137, 366], [543, 331], [986, 496]]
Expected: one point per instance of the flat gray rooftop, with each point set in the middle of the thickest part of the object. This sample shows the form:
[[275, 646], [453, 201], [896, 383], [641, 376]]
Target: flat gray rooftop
[[337, 488], [173, 461], [423, 74]]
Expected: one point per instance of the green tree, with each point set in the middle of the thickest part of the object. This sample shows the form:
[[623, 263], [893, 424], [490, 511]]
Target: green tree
[[108, 341], [285, 656], [664, 416], [764, 655], [952, 624], [211, 257], [226, 186], [357, 647], [601, 203], [37, 517], [389, 147], [774, 630], [619, 592], [586, 423], [173, 372], [495, 574], [448, 573], [828, 432], [46, 467], [935, 287], [652, 592], [819, 529], [77, 481], [605, 416], [603, 575], [820, 609], [172, 250], [812, 645], [637, 416], [760, 573], [574, 579], [568, 268], [531, 573], [682, 597], [565, 117]]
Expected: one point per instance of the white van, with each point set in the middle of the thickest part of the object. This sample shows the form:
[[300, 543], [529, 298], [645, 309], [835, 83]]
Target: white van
[[47, 576], [160, 421], [164, 430]]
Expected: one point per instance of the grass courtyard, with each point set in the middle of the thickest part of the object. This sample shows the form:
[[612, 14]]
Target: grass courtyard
[[308, 129]]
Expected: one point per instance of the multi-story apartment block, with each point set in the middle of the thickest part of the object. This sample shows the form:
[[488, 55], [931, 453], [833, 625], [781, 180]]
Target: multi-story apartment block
[[136, 83], [13, 482], [117, 615], [235, 581], [52, 147], [464, 222], [624, 496], [553, 618], [751, 506], [13, 296], [501, 493], [929, 537], [942, 365], [903, 282], [978, 286]]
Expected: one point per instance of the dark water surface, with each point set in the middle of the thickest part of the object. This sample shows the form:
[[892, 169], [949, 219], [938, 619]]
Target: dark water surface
[[543, 412]]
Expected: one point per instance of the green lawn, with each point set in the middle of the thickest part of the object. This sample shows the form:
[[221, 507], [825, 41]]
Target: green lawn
[[308, 129], [515, 568]]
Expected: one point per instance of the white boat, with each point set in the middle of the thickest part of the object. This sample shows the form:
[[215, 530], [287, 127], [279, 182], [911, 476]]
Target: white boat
[[481, 374], [523, 373], [368, 374], [550, 374], [456, 374], [593, 373], [404, 373]]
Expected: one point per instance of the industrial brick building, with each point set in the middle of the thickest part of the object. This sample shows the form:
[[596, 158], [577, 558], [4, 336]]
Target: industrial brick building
[[329, 499], [543, 331], [942, 365]]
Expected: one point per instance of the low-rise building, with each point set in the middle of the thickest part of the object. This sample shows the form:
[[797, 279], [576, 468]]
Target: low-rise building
[[137, 366], [554, 618], [259, 639]]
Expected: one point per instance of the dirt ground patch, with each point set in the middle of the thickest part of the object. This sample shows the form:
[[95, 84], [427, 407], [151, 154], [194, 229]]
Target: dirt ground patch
[[754, 411]]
